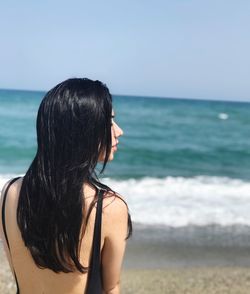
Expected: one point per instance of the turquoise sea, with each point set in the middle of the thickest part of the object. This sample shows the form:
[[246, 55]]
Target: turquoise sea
[[180, 162]]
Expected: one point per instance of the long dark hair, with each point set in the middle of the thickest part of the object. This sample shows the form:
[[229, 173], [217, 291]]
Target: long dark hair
[[73, 129]]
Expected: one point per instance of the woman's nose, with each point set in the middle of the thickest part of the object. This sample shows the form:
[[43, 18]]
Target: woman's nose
[[119, 131]]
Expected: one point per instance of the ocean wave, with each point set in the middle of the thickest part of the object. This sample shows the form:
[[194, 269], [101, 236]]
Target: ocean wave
[[179, 201]]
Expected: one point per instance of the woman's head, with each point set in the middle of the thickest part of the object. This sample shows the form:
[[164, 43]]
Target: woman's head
[[74, 125]]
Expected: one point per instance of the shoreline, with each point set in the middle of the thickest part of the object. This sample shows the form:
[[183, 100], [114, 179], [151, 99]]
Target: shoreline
[[162, 247]]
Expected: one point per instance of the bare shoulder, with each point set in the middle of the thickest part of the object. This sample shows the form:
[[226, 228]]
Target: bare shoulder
[[11, 194], [114, 204], [4, 188], [13, 190], [115, 213]]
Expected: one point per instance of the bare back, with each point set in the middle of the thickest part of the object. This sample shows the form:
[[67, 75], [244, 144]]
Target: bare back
[[32, 279]]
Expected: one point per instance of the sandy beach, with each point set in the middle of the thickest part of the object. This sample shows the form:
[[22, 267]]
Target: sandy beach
[[159, 262], [210, 280]]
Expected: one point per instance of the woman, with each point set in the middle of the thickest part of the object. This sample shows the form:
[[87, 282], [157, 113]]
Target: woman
[[63, 230]]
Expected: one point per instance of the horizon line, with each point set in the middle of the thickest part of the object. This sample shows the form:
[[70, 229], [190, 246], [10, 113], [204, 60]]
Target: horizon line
[[146, 96]]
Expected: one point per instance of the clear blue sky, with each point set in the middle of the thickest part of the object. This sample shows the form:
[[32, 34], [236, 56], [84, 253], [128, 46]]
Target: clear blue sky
[[177, 48]]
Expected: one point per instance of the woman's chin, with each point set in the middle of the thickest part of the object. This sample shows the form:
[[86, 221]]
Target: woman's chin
[[111, 157]]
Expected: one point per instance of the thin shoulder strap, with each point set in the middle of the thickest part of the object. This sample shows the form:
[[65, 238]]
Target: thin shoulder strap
[[97, 231], [94, 275], [4, 225]]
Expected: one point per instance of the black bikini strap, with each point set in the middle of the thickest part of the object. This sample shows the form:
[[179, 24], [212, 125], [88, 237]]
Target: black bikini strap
[[94, 277], [4, 225], [97, 231]]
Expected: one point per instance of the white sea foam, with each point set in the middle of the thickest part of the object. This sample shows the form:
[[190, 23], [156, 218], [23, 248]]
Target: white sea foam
[[178, 201], [223, 116]]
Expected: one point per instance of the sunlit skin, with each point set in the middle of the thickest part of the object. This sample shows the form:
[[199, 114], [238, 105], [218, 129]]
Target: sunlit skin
[[116, 132]]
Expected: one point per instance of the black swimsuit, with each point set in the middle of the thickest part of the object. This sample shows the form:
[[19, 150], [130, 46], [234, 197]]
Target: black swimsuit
[[94, 283]]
